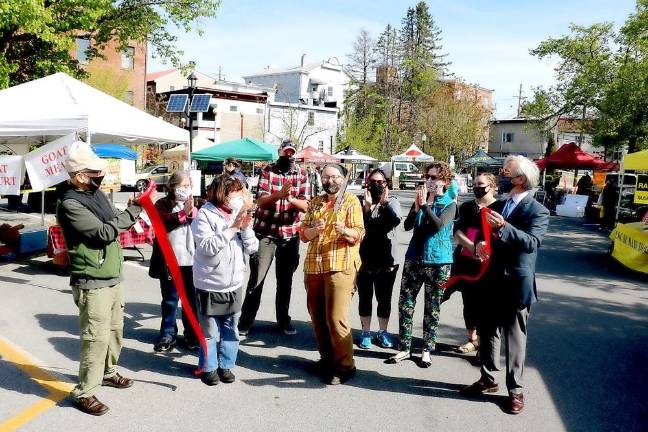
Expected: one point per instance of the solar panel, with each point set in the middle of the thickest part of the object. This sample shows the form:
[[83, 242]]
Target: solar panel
[[200, 103], [177, 103]]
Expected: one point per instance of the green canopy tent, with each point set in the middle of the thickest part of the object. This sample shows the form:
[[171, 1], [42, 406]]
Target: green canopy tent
[[245, 149], [481, 159]]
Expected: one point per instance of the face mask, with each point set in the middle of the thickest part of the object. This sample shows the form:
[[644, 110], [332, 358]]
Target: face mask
[[376, 190], [479, 191], [236, 205], [284, 163], [331, 188], [95, 183], [505, 184], [182, 194]]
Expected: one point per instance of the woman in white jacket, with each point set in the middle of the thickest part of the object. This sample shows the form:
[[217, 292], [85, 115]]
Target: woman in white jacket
[[223, 234]]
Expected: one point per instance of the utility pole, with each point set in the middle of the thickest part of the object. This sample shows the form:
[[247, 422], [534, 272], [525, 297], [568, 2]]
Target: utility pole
[[519, 98]]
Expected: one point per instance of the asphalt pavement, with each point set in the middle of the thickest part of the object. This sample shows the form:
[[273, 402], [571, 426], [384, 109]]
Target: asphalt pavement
[[587, 351]]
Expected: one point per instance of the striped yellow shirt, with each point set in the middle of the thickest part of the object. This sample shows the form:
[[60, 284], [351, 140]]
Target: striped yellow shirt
[[329, 252]]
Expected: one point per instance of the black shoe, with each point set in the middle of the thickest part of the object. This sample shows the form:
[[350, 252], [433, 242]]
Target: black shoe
[[164, 345], [191, 344], [289, 329], [210, 378], [226, 376]]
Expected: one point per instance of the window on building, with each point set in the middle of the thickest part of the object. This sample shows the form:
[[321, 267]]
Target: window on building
[[311, 118], [82, 45], [233, 108], [330, 91], [129, 97], [259, 110], [171, 88], [507, 137], [128, 58], [320, 146]]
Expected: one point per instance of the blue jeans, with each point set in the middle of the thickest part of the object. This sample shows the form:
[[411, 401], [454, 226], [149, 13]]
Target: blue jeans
[[221, 335], [168, 326]]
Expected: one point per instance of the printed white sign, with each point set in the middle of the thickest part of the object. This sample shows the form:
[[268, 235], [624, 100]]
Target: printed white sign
[[11, 174], [196, 178], [46, 165]]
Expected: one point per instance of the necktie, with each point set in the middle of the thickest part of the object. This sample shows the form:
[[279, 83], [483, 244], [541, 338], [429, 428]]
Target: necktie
[[507, 208]]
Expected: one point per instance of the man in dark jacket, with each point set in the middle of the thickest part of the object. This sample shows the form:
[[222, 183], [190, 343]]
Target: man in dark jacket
[[519, 224], [91, 227]]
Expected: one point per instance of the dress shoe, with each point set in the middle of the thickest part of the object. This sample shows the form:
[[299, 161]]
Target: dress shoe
[[91, 405], [515, 403], [479, 388], [117, 381]]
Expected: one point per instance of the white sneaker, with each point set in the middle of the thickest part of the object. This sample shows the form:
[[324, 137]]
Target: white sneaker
[[399, 357], [426, 359]]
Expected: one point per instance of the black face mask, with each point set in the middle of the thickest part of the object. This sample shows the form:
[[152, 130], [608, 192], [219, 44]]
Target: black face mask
[[331, 188], [376, 190], [505, 184], [95, 183], [284, 163], [479, 191]]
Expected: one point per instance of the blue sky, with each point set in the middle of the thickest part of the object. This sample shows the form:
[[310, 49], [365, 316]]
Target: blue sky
[[488, 42]]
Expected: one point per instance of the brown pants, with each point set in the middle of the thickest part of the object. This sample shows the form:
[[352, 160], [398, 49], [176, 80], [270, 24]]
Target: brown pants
[[328, 296]]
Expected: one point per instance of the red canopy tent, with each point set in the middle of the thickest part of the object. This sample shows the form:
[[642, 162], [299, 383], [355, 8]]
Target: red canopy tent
[[570, 156], [311, 155]]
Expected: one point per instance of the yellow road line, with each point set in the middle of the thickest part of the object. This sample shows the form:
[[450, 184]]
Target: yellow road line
[[57, 389]]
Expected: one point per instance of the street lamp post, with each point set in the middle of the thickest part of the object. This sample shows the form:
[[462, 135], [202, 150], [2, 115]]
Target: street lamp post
[[191, 80]]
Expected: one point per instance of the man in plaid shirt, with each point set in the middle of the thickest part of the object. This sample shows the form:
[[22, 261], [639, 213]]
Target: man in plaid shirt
[[283, 193]]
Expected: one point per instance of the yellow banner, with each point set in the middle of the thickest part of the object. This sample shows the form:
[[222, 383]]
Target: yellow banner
[[641, 191], [631, 245]]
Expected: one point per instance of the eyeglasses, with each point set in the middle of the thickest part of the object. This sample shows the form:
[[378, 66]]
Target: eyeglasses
[[378, 182], [506, 172], [329, 177]]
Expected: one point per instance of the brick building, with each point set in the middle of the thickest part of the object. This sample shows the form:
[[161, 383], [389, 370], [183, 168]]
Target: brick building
[[121, 73]]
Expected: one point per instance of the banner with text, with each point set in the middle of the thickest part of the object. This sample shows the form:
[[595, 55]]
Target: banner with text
[[45, 165], [11, 174], [641, 191]]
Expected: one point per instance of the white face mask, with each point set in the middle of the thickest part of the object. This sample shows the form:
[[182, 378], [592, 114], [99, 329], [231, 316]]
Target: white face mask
[[236, 204], [182, 193]]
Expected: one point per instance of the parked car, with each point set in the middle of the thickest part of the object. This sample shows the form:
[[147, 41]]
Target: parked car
[[160, 174]]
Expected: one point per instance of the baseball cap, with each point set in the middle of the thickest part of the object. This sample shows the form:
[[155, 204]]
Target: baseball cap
[[287, 144], [83, 158]]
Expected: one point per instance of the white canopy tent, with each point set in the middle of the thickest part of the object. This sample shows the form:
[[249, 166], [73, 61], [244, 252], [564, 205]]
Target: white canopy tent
[[38, 111]]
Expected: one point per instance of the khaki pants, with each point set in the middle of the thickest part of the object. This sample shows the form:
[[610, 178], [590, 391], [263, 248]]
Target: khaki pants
[[328, 297], [101, 321]]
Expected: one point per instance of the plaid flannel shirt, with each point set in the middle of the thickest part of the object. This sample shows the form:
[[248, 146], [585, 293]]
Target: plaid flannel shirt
[[329, 252], [282, 220]]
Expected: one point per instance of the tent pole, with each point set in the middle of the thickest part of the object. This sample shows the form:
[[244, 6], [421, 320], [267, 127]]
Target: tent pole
[[622, 174], [43, 208], [544, 182]]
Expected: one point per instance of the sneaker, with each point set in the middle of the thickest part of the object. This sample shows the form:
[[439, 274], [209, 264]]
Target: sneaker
[[426, 359], [384, 340], [226, 375], [289, 329], [164, 345], [398, 357], [243, 330], [210, 378], [365, 340]]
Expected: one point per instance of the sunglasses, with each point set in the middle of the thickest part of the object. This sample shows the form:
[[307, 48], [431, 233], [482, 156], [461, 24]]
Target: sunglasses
[[431, 177], [378, 182]]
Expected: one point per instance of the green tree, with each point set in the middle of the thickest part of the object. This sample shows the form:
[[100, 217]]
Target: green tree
[[37, 37]]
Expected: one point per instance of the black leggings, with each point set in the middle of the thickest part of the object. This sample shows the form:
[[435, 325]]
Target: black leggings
[[383, 281]]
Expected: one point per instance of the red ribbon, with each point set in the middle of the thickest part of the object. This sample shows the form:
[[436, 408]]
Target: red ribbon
[[486, 229], [172, 262]]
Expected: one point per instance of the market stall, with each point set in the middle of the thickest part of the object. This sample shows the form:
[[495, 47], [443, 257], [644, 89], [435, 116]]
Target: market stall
[[311, 155], [630, 240], [359, 166]]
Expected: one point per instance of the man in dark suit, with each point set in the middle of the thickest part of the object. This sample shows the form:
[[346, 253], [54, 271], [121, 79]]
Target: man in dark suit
[[518, 224]]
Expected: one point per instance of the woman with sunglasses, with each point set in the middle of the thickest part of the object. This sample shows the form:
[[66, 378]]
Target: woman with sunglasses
[[382, 214], [427, 260], [223, 234]]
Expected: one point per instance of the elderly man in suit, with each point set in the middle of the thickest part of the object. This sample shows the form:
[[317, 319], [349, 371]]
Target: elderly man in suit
[[519, 223]]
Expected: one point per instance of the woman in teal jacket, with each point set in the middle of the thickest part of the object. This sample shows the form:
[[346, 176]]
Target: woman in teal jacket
[[428, 258]]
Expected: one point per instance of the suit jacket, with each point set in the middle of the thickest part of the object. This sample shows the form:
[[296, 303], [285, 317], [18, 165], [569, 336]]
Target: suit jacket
[[515, 250]]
